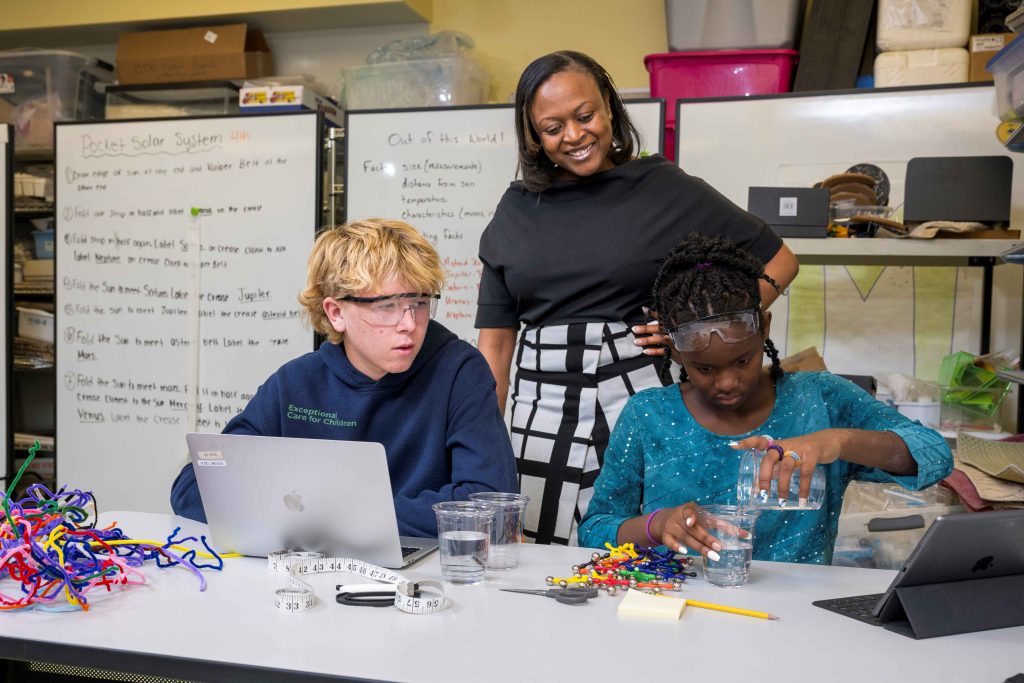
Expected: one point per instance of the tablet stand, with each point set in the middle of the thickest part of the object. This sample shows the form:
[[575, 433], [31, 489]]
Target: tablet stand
[[943, 609]]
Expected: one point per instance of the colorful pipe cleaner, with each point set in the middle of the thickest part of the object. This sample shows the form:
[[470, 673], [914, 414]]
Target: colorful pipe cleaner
[[48, 545]]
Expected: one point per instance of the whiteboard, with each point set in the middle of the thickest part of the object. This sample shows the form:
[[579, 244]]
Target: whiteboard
[[181, 246], [443, 170], [6, 219], [796, 140]]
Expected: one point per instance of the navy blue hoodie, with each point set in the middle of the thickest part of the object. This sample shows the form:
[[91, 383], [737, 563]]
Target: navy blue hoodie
[[438, 421]]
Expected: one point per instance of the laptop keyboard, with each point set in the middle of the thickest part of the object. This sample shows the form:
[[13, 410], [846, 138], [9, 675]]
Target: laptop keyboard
[[858, 607], [407, 551]]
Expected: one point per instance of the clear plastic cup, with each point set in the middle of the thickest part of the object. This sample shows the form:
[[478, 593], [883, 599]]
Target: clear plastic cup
[[748, 492], [733, 527], [507, 530], [464, 537]]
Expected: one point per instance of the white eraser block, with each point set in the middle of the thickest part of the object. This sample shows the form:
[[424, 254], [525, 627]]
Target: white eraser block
[[639, 604]]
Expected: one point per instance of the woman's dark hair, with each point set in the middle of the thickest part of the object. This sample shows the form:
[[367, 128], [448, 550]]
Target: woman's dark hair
[[708, 275], [537, 170]]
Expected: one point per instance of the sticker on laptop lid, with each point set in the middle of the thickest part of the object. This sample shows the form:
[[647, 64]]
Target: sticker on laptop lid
[[210, 459]]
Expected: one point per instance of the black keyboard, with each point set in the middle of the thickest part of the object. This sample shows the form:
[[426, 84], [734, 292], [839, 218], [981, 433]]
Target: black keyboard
[[858, 607], [407, 551]]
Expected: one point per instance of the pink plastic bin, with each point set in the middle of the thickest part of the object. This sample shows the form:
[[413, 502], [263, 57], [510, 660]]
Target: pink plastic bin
[[716, 73]]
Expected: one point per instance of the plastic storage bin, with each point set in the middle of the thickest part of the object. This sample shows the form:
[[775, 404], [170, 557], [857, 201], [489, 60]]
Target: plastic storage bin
[[39, 87], [716, 73], [731, 24], [881, 523], [163, 100], [922, 67], [884, 540], [972, 408], [922, 24], [421, 83], [1007, 69], [927, 413]]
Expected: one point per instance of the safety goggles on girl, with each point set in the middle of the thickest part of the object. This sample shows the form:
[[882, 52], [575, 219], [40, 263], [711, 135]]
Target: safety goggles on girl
[[388, 310], [731, 328]]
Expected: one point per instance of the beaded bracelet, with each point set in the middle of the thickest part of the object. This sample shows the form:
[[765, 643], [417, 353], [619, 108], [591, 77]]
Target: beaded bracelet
[[648, 528]]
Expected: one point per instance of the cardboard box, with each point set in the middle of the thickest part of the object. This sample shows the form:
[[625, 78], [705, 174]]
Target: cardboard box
[[256, 99], [38, 269], [207, 53], [984, 47]]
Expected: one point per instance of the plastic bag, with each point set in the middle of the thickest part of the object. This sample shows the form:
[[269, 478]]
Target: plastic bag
[[906, 389], [434, 46]]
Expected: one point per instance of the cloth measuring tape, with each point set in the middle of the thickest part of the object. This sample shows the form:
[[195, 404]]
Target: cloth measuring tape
[[299, 595]]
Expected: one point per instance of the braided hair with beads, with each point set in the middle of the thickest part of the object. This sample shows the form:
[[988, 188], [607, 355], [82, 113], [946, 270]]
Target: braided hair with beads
[[706, 275]]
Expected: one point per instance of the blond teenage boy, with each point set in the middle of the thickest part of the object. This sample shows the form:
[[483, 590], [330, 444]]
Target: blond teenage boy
[[387, 373]]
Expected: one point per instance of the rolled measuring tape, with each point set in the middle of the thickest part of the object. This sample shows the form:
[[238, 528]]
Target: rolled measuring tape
[[299, 595]]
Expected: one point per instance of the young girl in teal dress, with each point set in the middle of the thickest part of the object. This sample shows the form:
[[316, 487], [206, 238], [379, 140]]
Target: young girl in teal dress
[[676, 448]]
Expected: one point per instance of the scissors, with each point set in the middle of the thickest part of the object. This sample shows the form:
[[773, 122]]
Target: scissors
[[566, 596]]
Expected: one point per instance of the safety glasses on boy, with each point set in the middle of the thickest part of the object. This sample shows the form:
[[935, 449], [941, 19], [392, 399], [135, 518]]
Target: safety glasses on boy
[[731, 328], [388, 310]]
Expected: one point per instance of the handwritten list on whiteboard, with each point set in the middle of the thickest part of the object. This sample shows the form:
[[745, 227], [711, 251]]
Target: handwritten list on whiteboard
[[443, 171], [181, 249]]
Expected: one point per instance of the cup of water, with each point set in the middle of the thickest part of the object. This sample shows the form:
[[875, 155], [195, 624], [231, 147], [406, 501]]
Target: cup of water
[[748, 490], [507, 530], [733, 527], [463, 534]]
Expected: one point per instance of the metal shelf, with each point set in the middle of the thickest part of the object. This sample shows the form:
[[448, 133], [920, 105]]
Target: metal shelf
[[879, 251]]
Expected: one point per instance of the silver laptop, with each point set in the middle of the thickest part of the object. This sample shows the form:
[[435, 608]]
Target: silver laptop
[[263, 494]]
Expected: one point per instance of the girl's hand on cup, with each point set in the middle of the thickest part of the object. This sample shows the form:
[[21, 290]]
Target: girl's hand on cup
[[679, 529], [800, 453]]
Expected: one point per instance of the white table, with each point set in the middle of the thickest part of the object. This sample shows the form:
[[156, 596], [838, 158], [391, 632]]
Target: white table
[[232, 631]]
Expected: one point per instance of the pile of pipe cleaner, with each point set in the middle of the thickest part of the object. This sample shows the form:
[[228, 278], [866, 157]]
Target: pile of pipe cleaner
[[48, 546]]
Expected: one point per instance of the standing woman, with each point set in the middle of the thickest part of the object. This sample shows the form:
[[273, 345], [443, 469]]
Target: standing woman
[[571, 256]]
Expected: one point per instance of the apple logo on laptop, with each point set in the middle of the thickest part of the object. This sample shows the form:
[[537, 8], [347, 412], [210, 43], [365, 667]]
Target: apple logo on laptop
[[293, 501], [983, 564]]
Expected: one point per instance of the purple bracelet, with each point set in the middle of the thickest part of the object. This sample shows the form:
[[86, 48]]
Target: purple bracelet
[[648, 528]]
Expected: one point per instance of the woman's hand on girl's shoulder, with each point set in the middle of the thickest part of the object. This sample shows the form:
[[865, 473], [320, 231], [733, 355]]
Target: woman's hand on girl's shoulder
[[650, 337], [679, 529]]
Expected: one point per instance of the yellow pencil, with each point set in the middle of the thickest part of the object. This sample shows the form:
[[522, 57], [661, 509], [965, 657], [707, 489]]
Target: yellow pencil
[[731, 610]]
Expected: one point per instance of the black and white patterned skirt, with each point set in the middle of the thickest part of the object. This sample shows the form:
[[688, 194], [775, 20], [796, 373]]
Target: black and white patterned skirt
[[572, 381]]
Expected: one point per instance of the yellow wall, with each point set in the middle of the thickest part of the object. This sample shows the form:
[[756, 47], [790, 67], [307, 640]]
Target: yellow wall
[[71, 13], [509, 34]]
